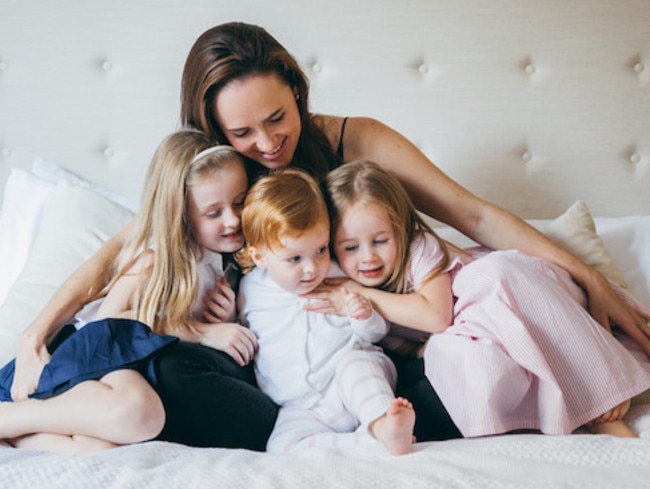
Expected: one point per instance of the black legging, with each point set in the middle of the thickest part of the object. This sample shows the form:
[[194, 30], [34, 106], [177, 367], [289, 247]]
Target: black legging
[[432, 421], [210, 401]]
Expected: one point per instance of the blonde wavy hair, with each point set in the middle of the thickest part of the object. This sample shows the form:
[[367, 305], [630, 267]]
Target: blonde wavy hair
[[167, 296], [283, 204], [367, 182]]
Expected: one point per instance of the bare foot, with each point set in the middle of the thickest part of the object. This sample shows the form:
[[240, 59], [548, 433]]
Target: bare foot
[[614, 414], [395, 428], [615, 428]]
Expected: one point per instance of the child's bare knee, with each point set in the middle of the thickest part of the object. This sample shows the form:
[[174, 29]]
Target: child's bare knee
[[141, 414]]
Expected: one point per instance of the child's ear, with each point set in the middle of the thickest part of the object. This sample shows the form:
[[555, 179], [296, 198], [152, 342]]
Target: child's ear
[[256, 256]]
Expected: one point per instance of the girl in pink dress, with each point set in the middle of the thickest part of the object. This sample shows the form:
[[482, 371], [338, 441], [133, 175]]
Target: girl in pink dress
[[511, 344]]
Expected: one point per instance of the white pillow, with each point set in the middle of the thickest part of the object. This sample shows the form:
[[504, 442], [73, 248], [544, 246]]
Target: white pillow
[[575, 230], [22, 204], [54, 173], [24, 196], [628, 242], [76, 222]]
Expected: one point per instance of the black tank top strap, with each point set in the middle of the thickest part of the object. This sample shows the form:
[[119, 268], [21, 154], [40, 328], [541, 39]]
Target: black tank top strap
[[339, 148]]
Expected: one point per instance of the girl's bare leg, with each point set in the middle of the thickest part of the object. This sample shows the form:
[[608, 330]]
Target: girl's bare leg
[[119, 408], [615, 428], [395, 428], [51, 442]]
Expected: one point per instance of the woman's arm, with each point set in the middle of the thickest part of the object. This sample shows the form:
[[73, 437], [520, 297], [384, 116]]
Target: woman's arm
[[442, 198], [70, 297]]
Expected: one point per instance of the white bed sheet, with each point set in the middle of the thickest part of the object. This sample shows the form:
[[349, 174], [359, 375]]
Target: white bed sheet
[[512, 461]]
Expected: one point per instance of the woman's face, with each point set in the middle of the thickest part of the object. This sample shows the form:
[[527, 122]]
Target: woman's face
[[259, 117]]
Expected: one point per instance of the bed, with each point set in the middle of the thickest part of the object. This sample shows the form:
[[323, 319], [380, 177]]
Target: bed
[[541, 107]]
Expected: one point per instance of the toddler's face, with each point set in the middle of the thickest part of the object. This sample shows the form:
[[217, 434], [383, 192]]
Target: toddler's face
[[302, 262], [364, 244]]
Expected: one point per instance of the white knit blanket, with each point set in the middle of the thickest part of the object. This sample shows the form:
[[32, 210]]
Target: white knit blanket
[[511, 461]]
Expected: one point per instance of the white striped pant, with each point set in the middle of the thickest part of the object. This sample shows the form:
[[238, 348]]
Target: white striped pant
[[360, 392]]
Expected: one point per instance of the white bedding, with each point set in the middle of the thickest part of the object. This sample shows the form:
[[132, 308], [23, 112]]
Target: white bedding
[[512, 461], [70, 215]]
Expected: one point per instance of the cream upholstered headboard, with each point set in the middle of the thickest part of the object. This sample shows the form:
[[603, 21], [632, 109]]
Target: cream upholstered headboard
[[529, 104]]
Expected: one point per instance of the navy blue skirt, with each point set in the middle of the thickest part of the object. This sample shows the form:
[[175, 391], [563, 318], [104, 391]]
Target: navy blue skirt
[[100, 347]]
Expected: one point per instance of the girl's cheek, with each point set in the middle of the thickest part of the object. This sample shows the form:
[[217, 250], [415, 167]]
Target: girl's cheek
[[346, 266]]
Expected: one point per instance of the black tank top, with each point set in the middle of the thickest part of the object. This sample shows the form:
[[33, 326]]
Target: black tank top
[[339, 148]]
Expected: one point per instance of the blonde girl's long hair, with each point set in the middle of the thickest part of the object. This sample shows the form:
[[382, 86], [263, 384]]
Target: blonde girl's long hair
[[367, 182], [279, 205], [166, 298]]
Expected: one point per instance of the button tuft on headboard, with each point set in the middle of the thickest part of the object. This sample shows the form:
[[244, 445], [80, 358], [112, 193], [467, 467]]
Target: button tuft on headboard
[[108, 152]]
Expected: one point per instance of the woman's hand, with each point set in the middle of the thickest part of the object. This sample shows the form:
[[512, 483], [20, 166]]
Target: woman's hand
[[31, 357], [234, 339], [220, 303], [607, 307]]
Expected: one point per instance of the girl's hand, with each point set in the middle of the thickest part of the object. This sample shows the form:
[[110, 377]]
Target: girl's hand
[[232, 338], [327, 297], [358, 306], [30, 360], [220, 303]]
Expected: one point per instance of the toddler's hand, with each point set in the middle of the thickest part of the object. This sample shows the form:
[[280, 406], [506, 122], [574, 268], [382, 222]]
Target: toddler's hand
[[220, 303], [358, 306], [326, 299]]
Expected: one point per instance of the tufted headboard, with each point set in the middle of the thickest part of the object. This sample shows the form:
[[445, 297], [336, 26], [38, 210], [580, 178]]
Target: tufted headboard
[[530, 104]]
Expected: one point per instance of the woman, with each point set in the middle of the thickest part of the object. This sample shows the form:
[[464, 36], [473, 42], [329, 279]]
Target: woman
[[240, 85]]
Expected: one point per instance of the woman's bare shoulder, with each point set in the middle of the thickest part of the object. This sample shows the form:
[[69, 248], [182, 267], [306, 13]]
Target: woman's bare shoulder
[[330, 125], [357, 129]]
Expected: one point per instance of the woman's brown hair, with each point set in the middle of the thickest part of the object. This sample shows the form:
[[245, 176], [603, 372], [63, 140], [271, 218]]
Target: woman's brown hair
[[235, 51]]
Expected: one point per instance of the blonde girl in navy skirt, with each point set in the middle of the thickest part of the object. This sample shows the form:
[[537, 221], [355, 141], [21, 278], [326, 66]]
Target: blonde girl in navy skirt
[[170, 284]]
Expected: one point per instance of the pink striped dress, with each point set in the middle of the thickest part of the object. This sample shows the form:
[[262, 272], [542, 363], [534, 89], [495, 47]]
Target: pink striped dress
[[523, 352]]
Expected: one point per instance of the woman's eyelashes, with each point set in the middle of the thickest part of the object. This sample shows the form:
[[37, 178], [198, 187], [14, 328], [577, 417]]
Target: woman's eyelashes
[[245, 132]]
